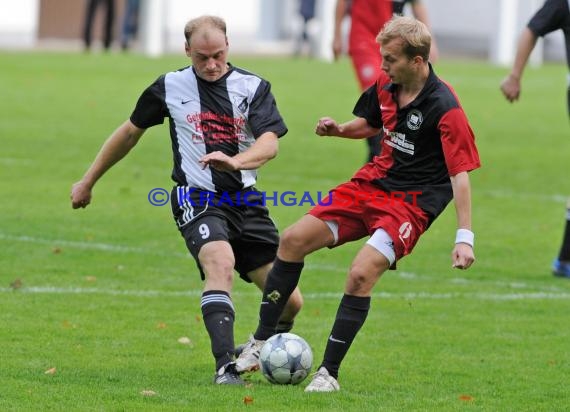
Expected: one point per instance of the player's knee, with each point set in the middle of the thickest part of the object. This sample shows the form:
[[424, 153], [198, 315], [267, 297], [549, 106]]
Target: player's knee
[[293, 242], [219, 267]]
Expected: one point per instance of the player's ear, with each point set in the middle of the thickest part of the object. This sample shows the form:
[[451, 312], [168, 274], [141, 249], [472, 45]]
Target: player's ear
[[419, 60], [187, 48]]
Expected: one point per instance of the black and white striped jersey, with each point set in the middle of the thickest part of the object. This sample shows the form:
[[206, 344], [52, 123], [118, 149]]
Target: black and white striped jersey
[[226, 115]]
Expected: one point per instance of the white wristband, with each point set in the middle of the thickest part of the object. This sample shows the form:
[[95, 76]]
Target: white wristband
[[465, 236]]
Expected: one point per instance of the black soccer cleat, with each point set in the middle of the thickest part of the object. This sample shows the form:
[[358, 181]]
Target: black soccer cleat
[[227, 375]]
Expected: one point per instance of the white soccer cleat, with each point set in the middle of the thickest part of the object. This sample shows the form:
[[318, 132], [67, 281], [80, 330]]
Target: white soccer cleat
[[323, 382], [248, 360]]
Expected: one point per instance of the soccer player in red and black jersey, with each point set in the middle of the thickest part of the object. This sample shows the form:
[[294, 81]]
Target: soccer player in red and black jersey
[[224, 125], [367, 17], [553, 15], [428, 149]]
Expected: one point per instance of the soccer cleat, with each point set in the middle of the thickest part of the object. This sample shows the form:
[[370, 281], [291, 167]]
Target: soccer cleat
[[239, 349], [248, 360], [561, 269], [227, 375], [323, 382]]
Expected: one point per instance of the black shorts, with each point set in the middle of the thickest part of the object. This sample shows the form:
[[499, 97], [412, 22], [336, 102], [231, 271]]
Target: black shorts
[[239, 218]]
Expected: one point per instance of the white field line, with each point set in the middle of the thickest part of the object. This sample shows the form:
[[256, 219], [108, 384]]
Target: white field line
[[104, 247], [536, 291], [11, 161], [52, 290]]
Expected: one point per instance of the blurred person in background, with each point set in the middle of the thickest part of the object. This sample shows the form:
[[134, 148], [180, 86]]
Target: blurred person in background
[[553, 15], [130, 23], [109, 18], [224, 125], [367, 17], [307, 13]]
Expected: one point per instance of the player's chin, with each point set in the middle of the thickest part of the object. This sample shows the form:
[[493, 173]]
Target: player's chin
[[212, 76]]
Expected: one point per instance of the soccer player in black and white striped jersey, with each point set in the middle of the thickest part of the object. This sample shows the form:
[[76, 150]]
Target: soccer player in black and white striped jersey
[[224, 125]]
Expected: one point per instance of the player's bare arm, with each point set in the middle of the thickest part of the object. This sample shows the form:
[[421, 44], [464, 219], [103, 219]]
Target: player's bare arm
[[358, 128], [264, 149], [114, 149], [420, 12], [511, 85], [462, 255], [340, 13]]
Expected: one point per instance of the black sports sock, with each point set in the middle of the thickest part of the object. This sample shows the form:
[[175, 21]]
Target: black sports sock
[[564, 254], [218, 313], [283, 326], [350, 317], [281, 282]]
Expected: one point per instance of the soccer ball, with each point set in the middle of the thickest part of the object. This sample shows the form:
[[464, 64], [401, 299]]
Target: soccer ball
[[285, 359]]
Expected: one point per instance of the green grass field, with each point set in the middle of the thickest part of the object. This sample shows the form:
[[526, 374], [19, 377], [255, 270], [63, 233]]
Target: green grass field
[[93, 302]]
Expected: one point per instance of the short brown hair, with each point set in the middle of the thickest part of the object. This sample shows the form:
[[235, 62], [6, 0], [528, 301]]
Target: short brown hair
[[415, 34], [198, 22]]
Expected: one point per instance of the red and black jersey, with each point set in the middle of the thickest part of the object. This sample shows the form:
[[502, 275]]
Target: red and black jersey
[[554, 15], [423, 143]]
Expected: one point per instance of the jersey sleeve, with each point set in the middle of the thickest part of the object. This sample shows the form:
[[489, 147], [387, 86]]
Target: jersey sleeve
[[263, 113], [368, 107], [151, 109], [549, 18], [458, 142]]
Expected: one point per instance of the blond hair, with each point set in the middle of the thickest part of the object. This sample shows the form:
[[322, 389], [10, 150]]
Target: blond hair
[[197, 23], [415, 35]]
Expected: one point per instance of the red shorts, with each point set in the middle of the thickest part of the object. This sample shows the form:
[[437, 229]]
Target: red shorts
[[359, 208], [367, 62]]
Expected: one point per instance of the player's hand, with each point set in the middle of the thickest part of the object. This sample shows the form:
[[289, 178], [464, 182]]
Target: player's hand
[[462, 256], [80, 195], [326, 127], [511, 88], [337, 47], [220, 161]]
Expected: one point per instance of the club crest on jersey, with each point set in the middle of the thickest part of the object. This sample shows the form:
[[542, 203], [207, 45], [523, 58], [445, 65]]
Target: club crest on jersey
[[243, 105], [414, 119]]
